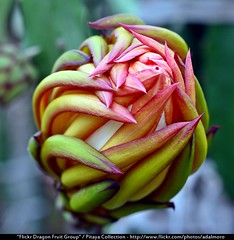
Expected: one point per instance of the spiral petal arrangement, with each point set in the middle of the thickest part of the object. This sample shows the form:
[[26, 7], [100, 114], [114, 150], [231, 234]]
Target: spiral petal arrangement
[[121, 121]]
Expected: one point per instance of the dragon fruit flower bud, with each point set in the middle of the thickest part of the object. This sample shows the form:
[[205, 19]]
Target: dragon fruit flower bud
[[121, 120]]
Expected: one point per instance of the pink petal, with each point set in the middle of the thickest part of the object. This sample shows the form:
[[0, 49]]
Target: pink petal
[[177, 75], [102, 67], [147, 118], [160, 34], [189, 78], [133, 82], [132, 52], [105, 97], [123, 112], [159, 85], [122, 41], [119, 73], [151, 43]]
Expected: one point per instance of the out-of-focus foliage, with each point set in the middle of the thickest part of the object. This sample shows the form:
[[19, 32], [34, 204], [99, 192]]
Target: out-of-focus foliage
[[218, 71], [16, 70], [53, 26], [4, 11]]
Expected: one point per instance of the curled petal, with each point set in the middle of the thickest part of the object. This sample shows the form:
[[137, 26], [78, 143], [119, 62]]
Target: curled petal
[[105, 96], [174, 41], [131, 52], [76, 79], [73, 149], [103, 66], [144, 171], [87, 68], [149, 42], [82, 103], [97, 47], [70, 60], [123, 40], [114, 20], [123, 155]]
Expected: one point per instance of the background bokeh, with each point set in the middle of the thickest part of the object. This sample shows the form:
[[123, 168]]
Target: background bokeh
[[34, 33]]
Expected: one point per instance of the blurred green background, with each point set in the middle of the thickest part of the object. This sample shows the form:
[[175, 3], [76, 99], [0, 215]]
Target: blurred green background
[[34, 33]]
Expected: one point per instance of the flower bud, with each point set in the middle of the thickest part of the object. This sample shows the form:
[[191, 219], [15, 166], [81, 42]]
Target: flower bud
[[121, 121]]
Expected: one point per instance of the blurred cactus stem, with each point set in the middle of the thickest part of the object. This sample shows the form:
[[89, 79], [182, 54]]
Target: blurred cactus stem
[[17, 72]]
